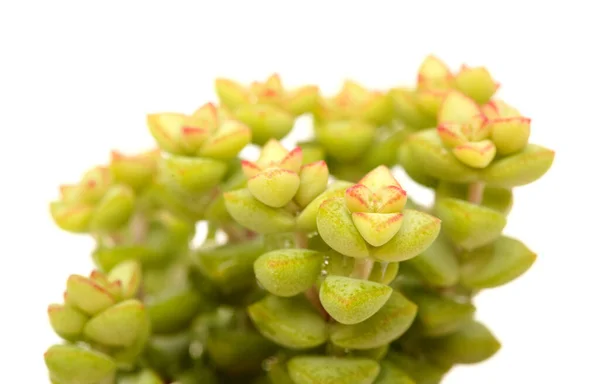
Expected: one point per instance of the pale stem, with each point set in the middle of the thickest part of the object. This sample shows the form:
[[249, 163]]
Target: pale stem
[[362, 268], [475, 192], [301, 240], [313, 297]]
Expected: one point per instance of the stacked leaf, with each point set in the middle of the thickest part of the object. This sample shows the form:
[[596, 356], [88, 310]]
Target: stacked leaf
[[316, 266]]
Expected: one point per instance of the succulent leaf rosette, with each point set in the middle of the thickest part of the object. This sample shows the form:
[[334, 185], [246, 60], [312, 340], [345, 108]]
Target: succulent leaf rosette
[[315, 266]]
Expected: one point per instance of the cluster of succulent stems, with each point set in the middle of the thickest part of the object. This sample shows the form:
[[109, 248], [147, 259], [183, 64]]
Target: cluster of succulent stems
[[316, 266]]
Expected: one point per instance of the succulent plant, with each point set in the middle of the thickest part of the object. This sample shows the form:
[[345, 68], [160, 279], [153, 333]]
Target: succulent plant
[[317, 267]]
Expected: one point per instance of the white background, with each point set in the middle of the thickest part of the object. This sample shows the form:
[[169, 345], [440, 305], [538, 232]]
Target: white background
[[78, 78]]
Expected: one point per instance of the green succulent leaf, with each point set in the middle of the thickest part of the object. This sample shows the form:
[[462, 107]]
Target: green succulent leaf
[[331, 370], [106, 258], [422, 371], [469, 225], [519, 169], [266, 121], [471, 344], [129, 274], [416, 234], [191, 174], [238, 351], [499, 199], [274, 187], [117, 326], [66, 321], [307, 220], [436, 160], [256, 216], [289, 322], [413, 167], [87, 295], [351, 301], [438, 264], [439, 315], [497, 264], [391, 374], [389, 323], [384, 273], [229, 266], [345, 140], [69, 364], [172, 311], [288, 272], [114, 210], [337, 229]]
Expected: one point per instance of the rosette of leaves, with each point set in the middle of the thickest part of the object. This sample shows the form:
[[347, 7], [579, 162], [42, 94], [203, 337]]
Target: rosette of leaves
[[266, 107], [104, 326]]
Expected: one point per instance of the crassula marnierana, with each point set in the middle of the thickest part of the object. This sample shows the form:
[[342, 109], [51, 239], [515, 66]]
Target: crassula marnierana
[[316, 267]]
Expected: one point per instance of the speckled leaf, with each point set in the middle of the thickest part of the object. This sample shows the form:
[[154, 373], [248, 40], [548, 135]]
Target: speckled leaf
[[471, 344], [229, 140], [256, 216], [477, 83], [391, 374], [192, 174], [313, 181], [336, 228], [117, 326], [274, 187], [422, 371], [288, 272], [414, 167], [88, 295], [72, 217], [438, 161], [351, 301], [345, 140], [289, 322], [510, 134], [389, 323], [230, 266], [66, 321], [437, 265], [475, 154], [469, 225], [266, 121], [377, 228], [70, 364], [416, 234], [497, 264], [332, 370], [519, 169], [238, 351], [307, 220]]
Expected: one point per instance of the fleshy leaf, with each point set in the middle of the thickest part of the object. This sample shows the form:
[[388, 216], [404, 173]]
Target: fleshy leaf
[[88, 295], [476, 154], [477, 83], [384, 273], [274, 187], [70, 364], [453, 134], [439, 315], [313, 181], [230, 266], [499, 199], [135, 171], [302, 100], [392, 199], [469, 225], [434, 74], [377, 228], [407, 109], [416, 234], [345, 140], [391, 374], [231, 93], [290, 322], [72, 217], [458, 108], [307, 220], [66, 321], [117, 326], [266, 121], [256, 216], [510, 134], [413, 166], [231, 138], [288, 272], [519, 169], [351, 301], [172, 311], [192, 174], [337, 229], [391, 321], [471, 344], [421, 370], [115, 208], [359, 198], [379, 177], [497, 264], [436, 160], [437, 264], [129, 274], [332, 370]]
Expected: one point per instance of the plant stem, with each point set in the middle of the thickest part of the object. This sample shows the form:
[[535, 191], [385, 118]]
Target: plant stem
[[313, 297], [475, 192], [362, 268], [301, 240]]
